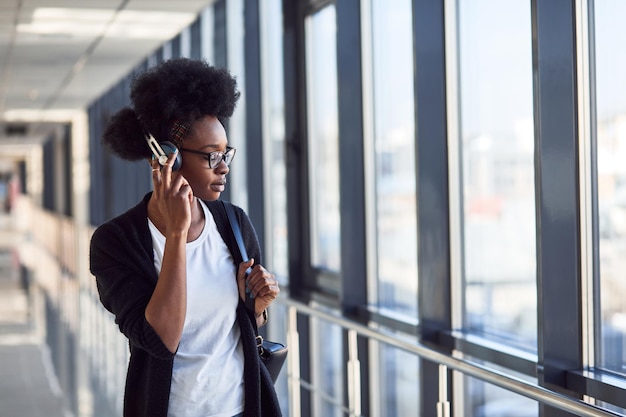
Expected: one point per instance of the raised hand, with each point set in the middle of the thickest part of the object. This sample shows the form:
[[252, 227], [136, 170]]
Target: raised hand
[[173, 196]]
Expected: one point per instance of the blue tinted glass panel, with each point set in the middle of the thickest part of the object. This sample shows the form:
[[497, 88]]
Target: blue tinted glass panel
[[497, 147]]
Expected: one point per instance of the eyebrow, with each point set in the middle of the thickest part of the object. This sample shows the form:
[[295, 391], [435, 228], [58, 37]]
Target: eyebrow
[[213, 146]]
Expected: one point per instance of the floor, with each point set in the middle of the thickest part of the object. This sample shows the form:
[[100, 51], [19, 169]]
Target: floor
[[28, 386]]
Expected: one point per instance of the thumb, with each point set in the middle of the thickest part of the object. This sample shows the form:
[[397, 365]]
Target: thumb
[[245, 268], [249, 263]]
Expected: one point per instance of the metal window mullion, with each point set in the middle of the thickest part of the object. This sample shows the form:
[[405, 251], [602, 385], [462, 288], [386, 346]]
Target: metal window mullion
[[297, 187], [352, 190], [431, 153], [295, 147], [455, 189], [369, 172], [432, 168], [220, 49], [559, 309], [351, 151], [586, 129], [311, 190], [255, 183]]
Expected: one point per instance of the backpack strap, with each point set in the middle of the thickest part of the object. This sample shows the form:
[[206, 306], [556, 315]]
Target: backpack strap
[[234, 224]]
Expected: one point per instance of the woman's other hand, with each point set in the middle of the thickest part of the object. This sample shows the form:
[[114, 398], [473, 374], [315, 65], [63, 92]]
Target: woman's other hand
[[260, 284]]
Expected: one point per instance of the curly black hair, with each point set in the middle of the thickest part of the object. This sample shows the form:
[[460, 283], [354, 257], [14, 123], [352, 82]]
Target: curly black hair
[[177, 91]]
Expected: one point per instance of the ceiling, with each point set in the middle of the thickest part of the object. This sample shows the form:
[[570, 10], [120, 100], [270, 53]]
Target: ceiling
[[56, 56]]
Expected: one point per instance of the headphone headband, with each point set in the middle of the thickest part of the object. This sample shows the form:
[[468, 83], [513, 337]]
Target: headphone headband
[[156, 149]]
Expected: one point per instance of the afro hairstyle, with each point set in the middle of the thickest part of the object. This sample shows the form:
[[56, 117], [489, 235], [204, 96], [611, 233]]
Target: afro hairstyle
[[181, 91]]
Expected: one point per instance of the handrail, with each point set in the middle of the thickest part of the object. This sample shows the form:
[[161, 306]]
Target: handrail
[[470, 368]]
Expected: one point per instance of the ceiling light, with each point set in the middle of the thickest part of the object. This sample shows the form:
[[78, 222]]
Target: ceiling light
[[149, 25], [31, 115], [66, 21], [133, 24]]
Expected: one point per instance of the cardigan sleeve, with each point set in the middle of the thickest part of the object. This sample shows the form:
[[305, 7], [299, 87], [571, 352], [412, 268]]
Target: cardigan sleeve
[[125, 283]]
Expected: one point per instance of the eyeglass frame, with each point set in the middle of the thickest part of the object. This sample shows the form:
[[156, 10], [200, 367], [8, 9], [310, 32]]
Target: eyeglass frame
[[207, 155]]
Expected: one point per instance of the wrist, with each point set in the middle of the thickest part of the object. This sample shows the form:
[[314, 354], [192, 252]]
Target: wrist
[[262, 316], [177, 234]]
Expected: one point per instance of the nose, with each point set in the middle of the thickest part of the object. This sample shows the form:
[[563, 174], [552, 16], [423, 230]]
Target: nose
[[222, 168]]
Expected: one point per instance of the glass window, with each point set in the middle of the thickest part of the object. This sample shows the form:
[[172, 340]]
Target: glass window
[[167, 51], [323, 139], [327, 368], [398, 384], [237, 123], [277, 330], [274, 136], [185, 42], [497, 146], [206, 33], [486, 400], [611, 177], [394, 155]]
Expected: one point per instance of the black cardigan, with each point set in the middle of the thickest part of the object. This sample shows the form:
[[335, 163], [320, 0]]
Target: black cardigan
[[121, 259]]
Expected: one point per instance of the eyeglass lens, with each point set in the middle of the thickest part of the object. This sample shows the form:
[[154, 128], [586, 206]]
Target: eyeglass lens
[[215, 158]]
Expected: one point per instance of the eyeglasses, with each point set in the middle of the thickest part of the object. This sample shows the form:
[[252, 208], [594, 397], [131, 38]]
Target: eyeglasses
[[216, 157]]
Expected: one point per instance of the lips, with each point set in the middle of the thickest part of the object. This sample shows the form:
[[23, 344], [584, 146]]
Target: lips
[[218, 186]]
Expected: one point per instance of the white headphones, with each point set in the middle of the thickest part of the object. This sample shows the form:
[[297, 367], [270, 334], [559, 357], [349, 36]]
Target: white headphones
[[161, 155]]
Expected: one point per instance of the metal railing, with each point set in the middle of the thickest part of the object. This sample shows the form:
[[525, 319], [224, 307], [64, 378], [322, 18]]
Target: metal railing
[[445, 361]]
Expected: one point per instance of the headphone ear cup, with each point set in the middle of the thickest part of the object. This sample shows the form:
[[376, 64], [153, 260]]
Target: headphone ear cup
[[169, 148]]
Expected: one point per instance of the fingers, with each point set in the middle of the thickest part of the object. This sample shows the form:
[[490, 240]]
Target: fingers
[[156, 176], [262, 283], [166, 172], [163, 182]]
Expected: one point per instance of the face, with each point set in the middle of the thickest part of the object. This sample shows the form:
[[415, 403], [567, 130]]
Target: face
[[205, 135]]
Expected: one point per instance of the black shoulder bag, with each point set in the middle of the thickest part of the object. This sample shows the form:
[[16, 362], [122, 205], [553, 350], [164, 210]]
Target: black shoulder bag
[[273, 354]]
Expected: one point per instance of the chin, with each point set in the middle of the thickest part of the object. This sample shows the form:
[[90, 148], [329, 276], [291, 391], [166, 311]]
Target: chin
[[210, 196]]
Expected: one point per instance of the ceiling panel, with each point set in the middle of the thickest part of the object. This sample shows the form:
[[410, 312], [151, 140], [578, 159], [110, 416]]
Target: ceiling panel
[[62, 54]]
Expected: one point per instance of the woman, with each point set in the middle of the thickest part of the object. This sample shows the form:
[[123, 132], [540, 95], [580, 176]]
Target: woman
[[166, 268]]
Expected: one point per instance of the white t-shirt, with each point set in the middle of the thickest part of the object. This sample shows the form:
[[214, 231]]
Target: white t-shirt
[[207, 379]]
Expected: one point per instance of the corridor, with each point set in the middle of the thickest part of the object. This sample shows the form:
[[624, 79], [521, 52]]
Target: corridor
[[28, 385]]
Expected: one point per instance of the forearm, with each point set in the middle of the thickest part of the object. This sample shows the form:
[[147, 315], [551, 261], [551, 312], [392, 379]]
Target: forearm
[[167, 307]]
